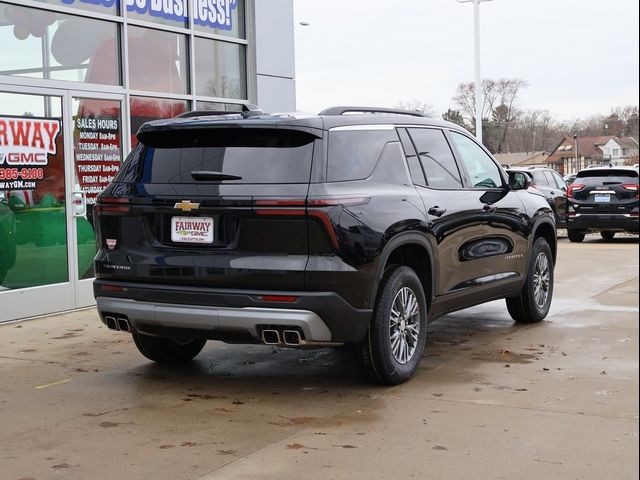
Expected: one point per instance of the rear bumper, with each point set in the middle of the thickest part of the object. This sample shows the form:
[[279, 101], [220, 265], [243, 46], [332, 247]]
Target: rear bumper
[[236, 315], [593, 221]]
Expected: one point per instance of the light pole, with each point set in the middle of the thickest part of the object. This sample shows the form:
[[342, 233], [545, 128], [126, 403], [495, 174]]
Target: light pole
[[476, 30]]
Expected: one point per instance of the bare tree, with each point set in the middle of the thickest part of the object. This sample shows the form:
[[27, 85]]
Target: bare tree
[[417, 106], [498, 107]]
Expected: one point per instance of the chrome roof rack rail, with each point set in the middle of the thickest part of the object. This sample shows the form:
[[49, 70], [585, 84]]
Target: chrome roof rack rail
[[337, 111]]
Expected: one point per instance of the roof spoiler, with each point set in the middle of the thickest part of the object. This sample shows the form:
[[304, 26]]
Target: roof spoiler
[[247, 111], [337, 111]]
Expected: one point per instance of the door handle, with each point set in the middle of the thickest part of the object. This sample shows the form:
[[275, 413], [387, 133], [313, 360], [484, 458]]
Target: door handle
[[489, 208], [437, 211]]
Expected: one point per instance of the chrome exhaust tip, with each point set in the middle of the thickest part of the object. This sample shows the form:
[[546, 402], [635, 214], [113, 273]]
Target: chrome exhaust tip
[[111, 323], [271, 337], [292, 337], [123, 325]]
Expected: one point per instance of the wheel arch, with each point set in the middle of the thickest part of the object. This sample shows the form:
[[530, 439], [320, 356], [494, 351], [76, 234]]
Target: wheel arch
[[413, 250], [547, 230]]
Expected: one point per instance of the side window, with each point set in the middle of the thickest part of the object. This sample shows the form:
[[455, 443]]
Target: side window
[[558, 179], [483, 171], [550, 180], [353, 154], [539, 179], [436, 157], [417, 175]]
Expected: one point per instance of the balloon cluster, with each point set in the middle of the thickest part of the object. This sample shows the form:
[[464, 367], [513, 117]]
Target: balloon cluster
[[29, 22]]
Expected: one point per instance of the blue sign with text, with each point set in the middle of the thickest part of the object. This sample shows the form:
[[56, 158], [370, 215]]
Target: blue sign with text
[[212, 13]]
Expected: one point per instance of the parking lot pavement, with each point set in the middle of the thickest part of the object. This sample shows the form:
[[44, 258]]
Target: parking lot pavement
[[555, 400]]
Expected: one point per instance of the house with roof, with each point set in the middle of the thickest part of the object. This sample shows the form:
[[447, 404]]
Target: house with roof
[[620, 150], [574, 154], [522, 159]]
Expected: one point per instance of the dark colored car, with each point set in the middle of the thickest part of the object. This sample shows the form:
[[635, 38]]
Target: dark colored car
[[549, 182], [315, 231], [604, 200]]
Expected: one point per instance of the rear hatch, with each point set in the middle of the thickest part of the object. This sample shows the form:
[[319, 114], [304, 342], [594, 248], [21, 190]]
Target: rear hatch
[[219, 208], [604, 191]]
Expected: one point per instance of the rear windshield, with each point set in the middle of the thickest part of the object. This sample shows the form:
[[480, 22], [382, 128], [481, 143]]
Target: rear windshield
[[611, 176], [257, 157]]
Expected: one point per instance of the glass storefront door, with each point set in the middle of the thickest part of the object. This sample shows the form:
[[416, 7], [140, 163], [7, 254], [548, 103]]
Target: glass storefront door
[[58, 150]]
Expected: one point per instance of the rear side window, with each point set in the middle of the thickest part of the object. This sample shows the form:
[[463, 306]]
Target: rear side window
[[437, 159], [354, 154], [256, 157]]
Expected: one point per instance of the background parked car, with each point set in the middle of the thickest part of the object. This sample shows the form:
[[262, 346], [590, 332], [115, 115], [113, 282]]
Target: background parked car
[[569, 179], [552, 186], [604, 200]]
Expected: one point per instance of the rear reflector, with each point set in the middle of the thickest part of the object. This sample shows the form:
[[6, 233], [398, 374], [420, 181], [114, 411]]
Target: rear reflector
[[278, 298], [112, 288]]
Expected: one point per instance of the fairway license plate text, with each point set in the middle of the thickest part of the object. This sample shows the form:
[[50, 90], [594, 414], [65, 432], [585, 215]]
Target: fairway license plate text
[[192, 229], [602, 198]]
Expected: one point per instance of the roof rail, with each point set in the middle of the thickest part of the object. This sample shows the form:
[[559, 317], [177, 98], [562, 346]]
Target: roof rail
[[247, 111], [336, 111]]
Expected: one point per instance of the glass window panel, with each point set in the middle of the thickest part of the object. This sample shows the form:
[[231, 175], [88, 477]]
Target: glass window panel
[[218, 107], [42, 44], [483, 171], [220, 17], [436, 157], [97, 153], [353, 155], [157, 60], [220, 69], [33, 234], [109, 7], [146, 109], [165, 12]]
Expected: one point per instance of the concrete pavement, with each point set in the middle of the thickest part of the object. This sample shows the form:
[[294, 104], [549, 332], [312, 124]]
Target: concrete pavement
[[491, 400]]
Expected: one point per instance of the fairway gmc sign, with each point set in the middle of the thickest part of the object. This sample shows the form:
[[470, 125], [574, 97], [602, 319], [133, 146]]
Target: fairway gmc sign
[[27, 141], [25, 146]]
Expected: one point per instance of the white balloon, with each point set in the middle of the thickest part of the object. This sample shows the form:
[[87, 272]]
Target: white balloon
[[77, 39]]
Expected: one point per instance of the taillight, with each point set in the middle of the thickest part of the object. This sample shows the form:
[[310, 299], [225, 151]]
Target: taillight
[[311, 206], [112, 205], [632, 187], [574, 187]]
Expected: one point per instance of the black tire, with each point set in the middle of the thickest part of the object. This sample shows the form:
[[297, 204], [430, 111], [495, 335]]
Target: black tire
[[375, 356], [167, 350], [575, 236], [527, 307], [607, 235]]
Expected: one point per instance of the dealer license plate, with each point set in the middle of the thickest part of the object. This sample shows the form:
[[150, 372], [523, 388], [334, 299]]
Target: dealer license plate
[[192, 229], [602, 198]]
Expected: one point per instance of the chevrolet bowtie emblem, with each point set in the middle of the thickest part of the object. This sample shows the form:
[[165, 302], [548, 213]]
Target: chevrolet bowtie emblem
[[186, 206]]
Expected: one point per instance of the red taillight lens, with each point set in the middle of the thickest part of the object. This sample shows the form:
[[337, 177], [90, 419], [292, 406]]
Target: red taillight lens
[[632, 187], [574, 187], [112, 205]]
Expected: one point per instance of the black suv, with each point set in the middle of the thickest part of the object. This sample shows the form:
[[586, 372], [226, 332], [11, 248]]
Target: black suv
[[605, 200], [315, 231]]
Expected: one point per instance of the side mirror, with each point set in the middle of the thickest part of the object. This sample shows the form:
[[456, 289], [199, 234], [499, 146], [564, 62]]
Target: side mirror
[[519, 181]]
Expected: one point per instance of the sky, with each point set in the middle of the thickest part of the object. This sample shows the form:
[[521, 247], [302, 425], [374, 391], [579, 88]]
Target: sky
[[579, 57]]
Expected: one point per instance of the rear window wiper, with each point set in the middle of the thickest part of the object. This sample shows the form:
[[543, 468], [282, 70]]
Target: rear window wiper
[[209, 175]]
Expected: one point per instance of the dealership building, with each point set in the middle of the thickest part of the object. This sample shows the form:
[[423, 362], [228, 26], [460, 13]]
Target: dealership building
[[77, 79]]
